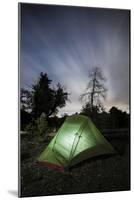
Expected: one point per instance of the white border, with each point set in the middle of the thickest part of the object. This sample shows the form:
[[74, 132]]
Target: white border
[[9, 97]]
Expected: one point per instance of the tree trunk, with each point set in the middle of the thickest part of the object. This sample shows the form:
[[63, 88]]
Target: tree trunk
[[93, 92]]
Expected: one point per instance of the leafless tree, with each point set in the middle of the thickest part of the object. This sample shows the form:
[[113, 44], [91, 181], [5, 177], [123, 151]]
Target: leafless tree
[[95, 90]]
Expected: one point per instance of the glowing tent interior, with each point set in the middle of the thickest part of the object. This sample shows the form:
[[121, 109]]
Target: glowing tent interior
[[76, 140]]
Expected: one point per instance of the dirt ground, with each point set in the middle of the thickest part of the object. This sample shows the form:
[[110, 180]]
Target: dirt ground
[[100, 174]]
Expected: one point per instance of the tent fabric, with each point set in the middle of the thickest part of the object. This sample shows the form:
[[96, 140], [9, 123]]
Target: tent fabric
[[76, 140]]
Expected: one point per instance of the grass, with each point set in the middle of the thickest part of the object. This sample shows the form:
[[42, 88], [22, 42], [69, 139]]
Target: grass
[[100, 174]]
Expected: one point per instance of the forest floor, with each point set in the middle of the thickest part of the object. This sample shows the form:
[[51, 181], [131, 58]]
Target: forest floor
[[100, 174]]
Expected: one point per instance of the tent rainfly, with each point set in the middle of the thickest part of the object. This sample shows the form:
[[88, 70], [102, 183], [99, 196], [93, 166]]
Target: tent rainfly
[[76, 140]]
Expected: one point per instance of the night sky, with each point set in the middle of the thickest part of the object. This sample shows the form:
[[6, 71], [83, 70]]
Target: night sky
[[66, 42]]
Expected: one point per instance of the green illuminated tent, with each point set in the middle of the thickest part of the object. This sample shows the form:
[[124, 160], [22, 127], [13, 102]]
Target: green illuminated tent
[[77, 139]]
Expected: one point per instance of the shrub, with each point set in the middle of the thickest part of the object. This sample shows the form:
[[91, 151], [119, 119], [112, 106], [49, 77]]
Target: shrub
[[38, 127], [31, 128], [42, 125]]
